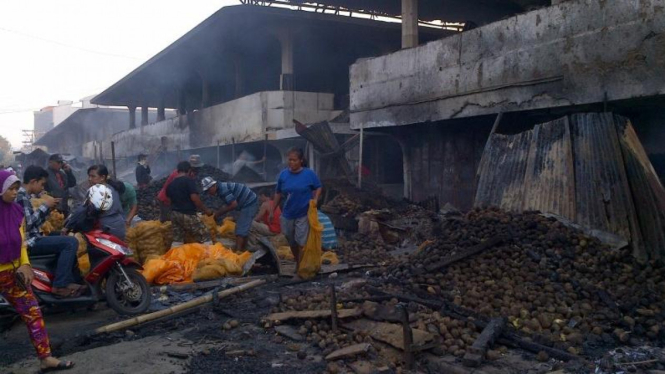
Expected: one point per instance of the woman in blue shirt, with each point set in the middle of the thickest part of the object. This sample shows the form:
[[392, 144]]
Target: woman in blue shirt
[[299, 184]]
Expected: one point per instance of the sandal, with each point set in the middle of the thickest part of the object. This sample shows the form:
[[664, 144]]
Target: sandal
[[63, 293], [78, 288], [63, 365]]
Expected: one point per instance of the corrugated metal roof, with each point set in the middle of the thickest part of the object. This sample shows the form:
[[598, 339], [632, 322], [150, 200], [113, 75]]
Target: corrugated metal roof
[[590, 168]]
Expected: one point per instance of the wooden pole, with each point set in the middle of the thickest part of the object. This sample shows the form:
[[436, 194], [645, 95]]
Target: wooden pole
[[115, 175], [333, 307], [360, 157], [233, 150], [408, 336], [176, 308], [218, 155], [265, 153]]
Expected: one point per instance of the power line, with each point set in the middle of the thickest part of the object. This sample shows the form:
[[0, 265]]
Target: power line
[[66, 45]]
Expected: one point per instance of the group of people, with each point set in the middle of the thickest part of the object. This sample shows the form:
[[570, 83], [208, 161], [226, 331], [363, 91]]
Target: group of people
[[20, 222], [263, 214], [21, 236]]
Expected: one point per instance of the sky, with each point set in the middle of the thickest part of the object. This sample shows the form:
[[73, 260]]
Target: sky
[[69, 49]]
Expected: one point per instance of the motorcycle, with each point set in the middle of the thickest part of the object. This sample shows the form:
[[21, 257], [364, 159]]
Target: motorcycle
[[113, 276]]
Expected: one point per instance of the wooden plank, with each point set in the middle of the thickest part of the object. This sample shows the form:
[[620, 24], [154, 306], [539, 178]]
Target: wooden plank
[[479, 248], [389, 332], [307, 314], [476, 353], [350, 351]]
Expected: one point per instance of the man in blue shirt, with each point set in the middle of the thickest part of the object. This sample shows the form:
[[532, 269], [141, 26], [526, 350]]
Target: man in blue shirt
[[236, 196]]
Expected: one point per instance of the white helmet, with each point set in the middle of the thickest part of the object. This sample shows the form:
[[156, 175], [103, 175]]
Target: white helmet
[[101, 197]]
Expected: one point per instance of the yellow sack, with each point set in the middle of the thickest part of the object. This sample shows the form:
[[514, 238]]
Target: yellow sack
[[84, 263], [329, 258], [284, 253], [210, 223], [154, 268], [227, 229], [310, 259]]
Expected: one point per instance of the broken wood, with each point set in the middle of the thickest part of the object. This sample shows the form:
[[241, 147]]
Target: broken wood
[[349, 351], [307, 314], [333, 307], [241, 352], [289, 332], [476, 353], [379, 312], [194, 303], [407, 335], [182, 356], [508, 338], [489, 243], [390, 333]]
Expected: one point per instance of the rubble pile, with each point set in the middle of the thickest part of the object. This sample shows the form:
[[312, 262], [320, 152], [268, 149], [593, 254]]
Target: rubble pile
[[348, 201], [357, 250], [147, 197], [548, 280]]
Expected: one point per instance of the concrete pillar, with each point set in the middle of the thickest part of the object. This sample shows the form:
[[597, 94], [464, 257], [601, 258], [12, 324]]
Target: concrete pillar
[[409, 23], [285, 37], [132, 116], [182, 103], [144, 115], [161, 112]]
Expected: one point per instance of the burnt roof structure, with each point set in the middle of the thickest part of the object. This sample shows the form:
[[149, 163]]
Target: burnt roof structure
[[478, 11], [244, 37]]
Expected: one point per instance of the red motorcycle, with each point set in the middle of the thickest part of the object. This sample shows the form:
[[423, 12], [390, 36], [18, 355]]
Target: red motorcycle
[[113, 276]]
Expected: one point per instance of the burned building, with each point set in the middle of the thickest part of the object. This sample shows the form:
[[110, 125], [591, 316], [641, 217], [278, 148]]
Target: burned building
[[439, 100], [240, 78]]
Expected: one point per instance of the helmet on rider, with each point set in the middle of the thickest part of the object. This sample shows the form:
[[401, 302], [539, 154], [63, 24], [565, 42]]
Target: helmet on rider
[[101, 197]]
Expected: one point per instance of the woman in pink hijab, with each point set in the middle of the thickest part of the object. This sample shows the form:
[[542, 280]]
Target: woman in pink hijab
[[16, 273]]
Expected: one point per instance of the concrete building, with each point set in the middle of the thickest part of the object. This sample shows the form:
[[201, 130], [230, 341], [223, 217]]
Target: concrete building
[[240, 78], [48, 117], [87, 125], [438, 101]]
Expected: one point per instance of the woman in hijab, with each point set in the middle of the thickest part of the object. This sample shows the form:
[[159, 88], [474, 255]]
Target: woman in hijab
[[16, 273]]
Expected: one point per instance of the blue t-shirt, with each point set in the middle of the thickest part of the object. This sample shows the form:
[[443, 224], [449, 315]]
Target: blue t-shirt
[[297, 188]]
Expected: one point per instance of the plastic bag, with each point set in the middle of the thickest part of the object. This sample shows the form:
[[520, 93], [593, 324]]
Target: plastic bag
[[329, 258], [227, 229], [310, 259]]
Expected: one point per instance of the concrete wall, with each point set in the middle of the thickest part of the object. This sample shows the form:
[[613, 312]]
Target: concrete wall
[[43, 122], [171, 133], [246, 119], [577, 52]]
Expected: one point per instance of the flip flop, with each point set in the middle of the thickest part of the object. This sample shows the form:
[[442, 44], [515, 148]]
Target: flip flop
[[63, 365], [65, 294]]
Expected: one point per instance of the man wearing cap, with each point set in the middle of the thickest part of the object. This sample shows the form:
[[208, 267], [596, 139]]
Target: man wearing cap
[[237, 196], [164, 202], [60, 180]]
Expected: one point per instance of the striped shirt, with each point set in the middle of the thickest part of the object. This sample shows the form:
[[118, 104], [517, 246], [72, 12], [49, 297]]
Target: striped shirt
[[34, 218], [328, 237], [231, 192]]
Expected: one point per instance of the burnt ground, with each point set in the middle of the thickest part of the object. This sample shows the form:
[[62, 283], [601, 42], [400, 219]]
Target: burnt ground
[[227, 337]]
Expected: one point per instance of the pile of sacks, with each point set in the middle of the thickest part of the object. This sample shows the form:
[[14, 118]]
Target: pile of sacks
[[149, 239], [194, 262]]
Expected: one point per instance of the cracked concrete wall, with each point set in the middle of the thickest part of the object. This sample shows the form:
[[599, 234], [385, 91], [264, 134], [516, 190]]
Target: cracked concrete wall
[[576, 52]]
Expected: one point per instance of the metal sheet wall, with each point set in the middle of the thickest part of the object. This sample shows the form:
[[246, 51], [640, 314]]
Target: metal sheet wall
[[589, 168]]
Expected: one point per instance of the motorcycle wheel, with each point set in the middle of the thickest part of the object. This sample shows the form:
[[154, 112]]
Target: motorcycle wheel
[[127, 300]]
